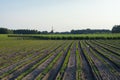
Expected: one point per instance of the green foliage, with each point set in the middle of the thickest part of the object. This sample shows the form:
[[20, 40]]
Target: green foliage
[[116, 29], [67, 36], [5, 31]]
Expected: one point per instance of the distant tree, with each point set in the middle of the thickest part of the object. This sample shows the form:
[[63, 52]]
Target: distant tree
[[116, 29], [89, 31], [65, 32], [10, 31], [25, 31], [39, 32], [44, 32], [4, 31]]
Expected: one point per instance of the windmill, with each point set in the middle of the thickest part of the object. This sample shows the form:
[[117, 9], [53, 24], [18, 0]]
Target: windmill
[[52, 31]]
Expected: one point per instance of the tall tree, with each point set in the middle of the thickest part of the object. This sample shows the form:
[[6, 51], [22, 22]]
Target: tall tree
[[116, 29], [4, 31]]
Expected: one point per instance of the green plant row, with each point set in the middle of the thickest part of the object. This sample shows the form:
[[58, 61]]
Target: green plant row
[[105, 62], [108, 44], [22, 64], [114, 48], [49, 67], [39, 77], [91, 62], [64, 66], [14, 51], [107, 48], [78, 64], [35, 66], [108, 54], [67, 37]]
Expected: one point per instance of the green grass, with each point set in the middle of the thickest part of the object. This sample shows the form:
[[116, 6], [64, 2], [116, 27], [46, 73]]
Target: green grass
[[5, 37]]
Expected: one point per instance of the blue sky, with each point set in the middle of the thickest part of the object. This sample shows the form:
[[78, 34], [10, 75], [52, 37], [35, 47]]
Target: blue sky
[[63, 15]]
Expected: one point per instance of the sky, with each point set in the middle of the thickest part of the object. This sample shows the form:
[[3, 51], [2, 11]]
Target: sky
[[63, 15]]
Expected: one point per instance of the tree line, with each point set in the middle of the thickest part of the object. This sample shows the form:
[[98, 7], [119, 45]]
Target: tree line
[[115, 29]]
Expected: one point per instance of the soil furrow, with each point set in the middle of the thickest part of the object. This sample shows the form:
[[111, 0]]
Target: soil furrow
[[86, 68], [70, 73]]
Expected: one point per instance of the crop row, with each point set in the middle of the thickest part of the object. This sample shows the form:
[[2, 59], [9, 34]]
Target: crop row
[[62, 60], [66, 37]]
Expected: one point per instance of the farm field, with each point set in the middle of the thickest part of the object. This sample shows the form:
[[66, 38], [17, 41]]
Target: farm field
[[59, 59]]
